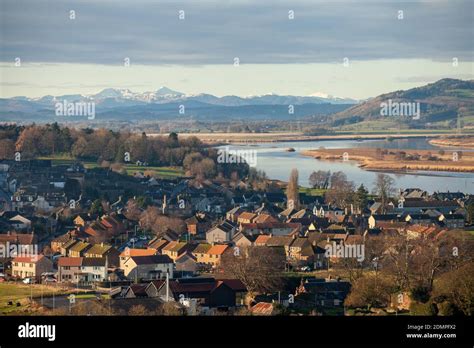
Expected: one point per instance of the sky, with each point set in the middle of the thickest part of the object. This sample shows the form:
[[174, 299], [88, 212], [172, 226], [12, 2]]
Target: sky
[[347, 48]]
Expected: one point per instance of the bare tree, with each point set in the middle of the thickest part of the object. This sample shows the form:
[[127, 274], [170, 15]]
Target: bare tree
[[319, 179], [259, 268], [384, 188], [292, 190], [341, 191], [369, 291]]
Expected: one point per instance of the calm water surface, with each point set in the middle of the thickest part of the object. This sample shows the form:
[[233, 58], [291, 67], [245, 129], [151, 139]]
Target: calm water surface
[[277, 163]]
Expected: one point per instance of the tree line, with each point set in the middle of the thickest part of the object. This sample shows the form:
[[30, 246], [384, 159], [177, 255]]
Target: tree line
[[101, 145]]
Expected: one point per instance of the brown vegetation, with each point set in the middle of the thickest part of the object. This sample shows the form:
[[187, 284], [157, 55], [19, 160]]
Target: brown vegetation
[[400, 159], [464, 141]]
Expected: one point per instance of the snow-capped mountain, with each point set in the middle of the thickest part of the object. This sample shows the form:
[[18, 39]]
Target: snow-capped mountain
[[111, 97], [124, 103]]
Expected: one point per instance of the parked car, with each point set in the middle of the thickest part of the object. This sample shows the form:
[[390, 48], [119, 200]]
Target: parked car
[[28, 281], [305, 269]]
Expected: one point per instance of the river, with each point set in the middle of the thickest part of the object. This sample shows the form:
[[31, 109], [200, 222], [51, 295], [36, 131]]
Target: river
[[277, 164]]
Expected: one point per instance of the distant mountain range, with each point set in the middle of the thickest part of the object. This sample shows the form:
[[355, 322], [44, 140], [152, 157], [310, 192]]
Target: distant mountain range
[[165, 103], [441, 101]]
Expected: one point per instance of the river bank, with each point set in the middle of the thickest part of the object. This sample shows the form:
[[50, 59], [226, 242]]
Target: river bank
[[455, 141], [397, 161], [246, 138]]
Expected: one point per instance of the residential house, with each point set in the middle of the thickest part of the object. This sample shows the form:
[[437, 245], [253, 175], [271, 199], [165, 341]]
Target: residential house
[[273, 228], [208, 292], [58, 242], [233, 214], [452, 221], [128, 252], [214, 255], [78, 249], [243, 239], [246, 218], [300, 252], [31, 266], [175, 249], [221, 233], [82, 270], [200, 252], [198, 224], [374, 219], [157, 244], [413, 218], [186, 264], [148, 267], [328, 293], [104, 251], [135, 291], [14, 238], [67, 245], [262, 239], [415, 206]]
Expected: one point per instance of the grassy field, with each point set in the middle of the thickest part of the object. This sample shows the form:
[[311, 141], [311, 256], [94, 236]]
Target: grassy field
[[312, 191], [20, 293], [159, 172]]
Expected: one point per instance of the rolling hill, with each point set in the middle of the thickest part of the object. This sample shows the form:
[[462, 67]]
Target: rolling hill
[[443, 103]]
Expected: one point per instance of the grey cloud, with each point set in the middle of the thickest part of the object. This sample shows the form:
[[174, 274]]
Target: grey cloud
[[214, 32]]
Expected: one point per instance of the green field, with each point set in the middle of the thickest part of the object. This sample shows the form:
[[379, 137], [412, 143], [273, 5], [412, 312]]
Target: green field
[[131, 169], [18, 292], [312, 191]]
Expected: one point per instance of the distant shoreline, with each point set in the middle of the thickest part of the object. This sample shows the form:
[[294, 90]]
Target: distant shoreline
[[455, 141], [278, 137], [369, 159]]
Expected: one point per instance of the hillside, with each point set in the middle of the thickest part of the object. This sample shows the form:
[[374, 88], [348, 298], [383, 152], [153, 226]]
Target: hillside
[[441, 104]]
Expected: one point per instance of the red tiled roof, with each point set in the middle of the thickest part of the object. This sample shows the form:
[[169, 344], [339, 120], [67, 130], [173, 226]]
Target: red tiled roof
[[278, 224], [70, 261], [262, 239], [247, 216], [217, 249], [20, 238], [28, 259], [128, 252]]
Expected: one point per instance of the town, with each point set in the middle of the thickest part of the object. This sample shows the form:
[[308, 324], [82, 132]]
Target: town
[[119, 242]]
